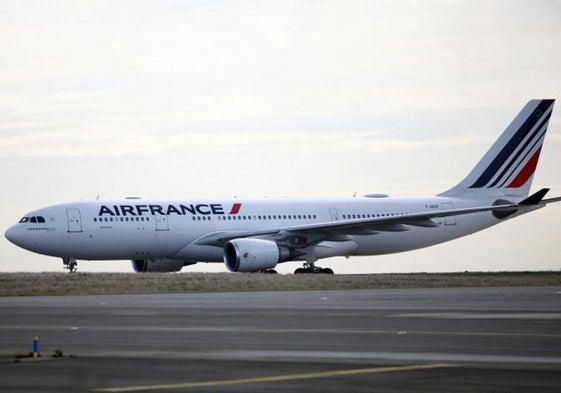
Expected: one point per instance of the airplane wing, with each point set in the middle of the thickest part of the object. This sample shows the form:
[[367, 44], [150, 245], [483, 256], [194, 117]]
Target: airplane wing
[[299, 236]]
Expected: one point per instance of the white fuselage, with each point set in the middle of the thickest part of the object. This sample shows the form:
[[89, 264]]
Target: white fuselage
[[152, 229], [256, 235]]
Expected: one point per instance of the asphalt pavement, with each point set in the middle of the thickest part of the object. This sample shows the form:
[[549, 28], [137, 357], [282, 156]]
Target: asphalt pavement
[[406, 340]]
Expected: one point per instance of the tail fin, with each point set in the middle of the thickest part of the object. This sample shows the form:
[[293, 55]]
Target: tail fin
[[507, 169]]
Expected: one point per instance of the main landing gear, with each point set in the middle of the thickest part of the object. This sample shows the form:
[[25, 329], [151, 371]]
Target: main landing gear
[[310, 265], [312, 269]]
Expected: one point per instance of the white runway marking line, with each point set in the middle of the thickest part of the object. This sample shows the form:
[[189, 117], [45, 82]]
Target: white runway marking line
[[213, 329], [471, 315], [278, 378]]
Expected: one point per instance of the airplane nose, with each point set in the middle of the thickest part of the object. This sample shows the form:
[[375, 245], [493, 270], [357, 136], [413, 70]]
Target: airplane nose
[[12, 235]]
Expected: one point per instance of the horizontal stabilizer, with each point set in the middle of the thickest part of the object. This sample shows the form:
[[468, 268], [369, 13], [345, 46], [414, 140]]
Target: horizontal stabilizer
[[552, 200], [535, 198]]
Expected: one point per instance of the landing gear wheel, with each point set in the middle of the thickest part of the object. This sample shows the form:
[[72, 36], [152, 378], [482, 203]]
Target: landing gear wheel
[[313, 270], [71, 264]]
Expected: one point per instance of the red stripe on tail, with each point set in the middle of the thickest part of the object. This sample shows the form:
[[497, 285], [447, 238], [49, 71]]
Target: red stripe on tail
[[527, 171]]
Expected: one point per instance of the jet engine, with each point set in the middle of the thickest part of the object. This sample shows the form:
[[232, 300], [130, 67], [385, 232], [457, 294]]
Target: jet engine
[[158, 265], [253, 255]]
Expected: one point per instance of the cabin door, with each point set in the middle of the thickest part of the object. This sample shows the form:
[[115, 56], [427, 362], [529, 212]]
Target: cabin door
[[74, 220]]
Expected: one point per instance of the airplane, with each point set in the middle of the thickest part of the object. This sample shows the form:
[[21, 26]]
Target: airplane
[[254, 235]]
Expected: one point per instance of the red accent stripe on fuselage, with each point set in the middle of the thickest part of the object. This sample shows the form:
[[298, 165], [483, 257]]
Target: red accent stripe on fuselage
[[235, 208]]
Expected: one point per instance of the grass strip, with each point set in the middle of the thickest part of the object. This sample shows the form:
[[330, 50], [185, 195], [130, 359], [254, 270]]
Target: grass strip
[[48, 284]]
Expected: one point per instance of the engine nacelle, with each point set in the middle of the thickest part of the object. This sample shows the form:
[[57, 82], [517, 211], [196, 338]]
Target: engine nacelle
[[158, 265], [252, 255]]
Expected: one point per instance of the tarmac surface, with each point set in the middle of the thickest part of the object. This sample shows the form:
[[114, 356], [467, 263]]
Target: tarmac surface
[[398, 340]]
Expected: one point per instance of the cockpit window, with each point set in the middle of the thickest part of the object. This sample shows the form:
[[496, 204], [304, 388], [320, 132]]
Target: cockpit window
[[34, 219]]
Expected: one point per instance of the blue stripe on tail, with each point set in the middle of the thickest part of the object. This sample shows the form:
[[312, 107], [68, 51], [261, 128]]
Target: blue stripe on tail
[[539, 133], [511, 146]]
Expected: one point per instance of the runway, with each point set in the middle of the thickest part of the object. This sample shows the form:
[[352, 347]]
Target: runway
[[410, 340]]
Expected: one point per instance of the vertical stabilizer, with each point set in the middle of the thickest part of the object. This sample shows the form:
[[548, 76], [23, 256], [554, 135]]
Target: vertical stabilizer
[[507, 169]]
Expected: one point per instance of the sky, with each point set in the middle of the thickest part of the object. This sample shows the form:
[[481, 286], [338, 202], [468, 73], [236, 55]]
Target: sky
[[191, 99]]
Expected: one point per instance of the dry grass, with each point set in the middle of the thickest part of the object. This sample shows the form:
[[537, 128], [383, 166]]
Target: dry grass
[[42, 284]]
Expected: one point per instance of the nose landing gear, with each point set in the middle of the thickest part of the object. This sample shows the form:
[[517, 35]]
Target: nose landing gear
[[71, 264]]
